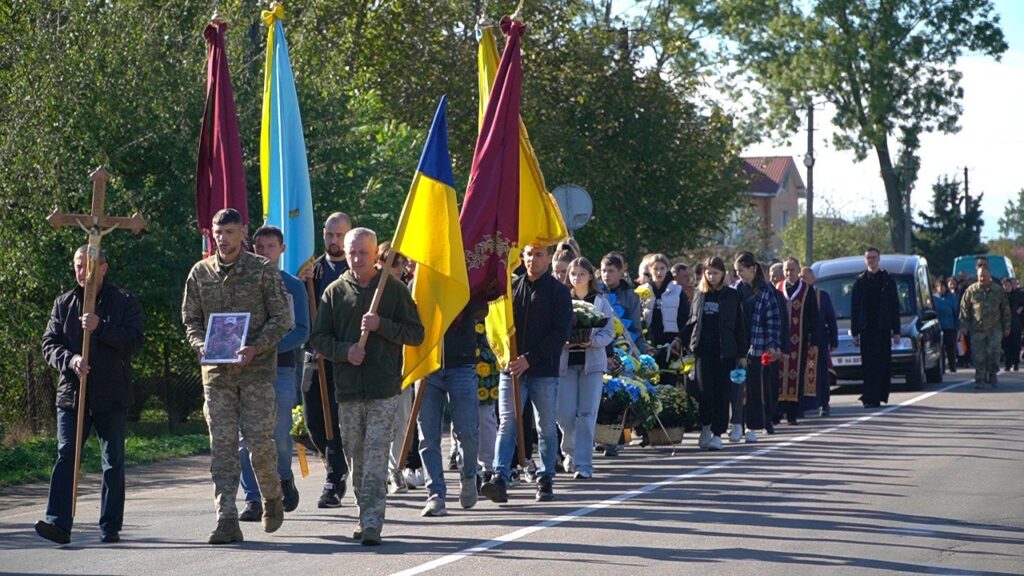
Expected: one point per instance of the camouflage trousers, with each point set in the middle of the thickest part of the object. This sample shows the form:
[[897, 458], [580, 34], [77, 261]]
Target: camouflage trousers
[[241, 406], [986, 348], [367, 428]]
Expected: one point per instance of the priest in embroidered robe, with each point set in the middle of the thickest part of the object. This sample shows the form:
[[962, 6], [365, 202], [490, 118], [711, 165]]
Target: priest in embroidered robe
[[799, 372]]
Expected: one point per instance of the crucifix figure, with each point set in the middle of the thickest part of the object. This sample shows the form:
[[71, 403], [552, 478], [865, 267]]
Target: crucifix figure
[[96, 224]]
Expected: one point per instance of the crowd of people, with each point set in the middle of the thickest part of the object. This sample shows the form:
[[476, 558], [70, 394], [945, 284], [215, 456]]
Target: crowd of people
[[759, 334]]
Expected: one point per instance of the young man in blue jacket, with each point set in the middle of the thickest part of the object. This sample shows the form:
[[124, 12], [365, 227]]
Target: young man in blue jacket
[[542, 308], [268, 242]]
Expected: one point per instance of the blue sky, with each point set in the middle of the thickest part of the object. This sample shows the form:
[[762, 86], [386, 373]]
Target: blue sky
[[990, 143]]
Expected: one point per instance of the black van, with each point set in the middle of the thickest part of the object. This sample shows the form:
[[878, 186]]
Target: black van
[[919, 355]]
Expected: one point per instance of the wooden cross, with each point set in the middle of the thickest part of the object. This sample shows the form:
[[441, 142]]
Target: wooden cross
[[97, 225]]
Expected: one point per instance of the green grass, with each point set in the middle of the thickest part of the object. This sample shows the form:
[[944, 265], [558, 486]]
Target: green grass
[[33, 459]]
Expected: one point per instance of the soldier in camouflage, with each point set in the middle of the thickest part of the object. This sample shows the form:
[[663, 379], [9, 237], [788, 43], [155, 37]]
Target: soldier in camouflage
[[367, 380], [985, 317], [239, 397]]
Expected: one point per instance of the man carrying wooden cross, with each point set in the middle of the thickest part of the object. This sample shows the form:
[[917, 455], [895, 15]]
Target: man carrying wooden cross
[[116, 327], [112, 316]]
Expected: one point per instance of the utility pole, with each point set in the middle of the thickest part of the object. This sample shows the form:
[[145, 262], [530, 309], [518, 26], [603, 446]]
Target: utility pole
[[967, 191], [809, 163], [908, 221]]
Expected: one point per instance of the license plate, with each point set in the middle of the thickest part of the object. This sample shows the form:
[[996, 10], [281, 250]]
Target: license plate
[[847, 361]]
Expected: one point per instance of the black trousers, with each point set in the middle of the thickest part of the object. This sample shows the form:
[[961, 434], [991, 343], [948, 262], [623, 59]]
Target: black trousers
[[949, 338], [754, 413], [876, 360], [337, 464], [772, 378], [1011, 349], [712, 391]]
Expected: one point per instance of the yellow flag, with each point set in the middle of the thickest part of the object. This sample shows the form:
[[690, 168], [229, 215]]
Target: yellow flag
[[540, 220]]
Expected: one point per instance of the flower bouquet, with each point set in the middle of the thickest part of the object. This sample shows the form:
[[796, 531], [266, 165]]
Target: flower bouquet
[[585, 317], [634, 386], [678, 409], [486, 367], [299, 432], [645, 292]]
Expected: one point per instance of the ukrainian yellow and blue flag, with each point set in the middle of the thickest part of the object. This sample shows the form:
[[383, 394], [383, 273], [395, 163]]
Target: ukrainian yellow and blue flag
[[429, 234]]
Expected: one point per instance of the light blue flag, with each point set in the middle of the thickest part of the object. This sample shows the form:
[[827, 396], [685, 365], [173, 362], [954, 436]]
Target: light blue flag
[[284, 171]]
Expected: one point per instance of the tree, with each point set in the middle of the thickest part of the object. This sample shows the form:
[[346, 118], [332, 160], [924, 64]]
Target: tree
[[952, 229], [835, 237], [887, 67], [1011, 223], [84, 83]]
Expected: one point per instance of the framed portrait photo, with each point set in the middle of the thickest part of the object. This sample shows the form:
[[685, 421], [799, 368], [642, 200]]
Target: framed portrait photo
[[225, 336]]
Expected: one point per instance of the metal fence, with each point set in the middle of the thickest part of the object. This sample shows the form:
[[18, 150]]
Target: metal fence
[[167, 389]]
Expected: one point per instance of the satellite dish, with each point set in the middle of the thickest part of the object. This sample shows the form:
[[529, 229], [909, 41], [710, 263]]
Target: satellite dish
[[576, 206]]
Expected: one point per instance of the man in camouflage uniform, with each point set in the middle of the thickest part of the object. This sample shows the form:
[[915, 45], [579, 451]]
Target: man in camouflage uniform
[[239, 397], [985, 317], [367, 380]]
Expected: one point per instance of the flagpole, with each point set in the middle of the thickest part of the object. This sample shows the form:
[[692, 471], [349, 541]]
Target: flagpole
[[325, 404], [411, 424], [374, 305], [378, 294], [516, 396]]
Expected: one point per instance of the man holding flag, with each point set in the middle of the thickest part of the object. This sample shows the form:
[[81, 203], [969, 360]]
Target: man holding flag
[[506, 207], [430, 235], [367, 377]]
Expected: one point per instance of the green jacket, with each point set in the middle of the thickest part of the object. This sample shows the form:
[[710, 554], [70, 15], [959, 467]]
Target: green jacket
[[337, 329], [985, 310], [250, 285]]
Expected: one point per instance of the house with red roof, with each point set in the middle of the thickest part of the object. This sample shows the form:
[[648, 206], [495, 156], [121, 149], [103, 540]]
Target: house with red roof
[[774, 189]]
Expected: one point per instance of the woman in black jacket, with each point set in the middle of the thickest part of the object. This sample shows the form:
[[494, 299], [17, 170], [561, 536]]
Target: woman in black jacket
[[716, 335]]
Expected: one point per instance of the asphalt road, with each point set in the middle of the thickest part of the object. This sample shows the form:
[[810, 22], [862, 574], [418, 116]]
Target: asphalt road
[[931, 484]]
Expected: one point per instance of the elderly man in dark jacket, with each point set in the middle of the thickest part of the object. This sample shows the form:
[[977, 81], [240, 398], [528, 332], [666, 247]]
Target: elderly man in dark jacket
[[116, 326]]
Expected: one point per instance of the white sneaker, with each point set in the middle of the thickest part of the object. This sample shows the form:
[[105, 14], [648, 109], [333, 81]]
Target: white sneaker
[[531, 472], [397, 483], [414, 478], [736, 434], [715, 444], [434, 507], [751, 437], [705, 437], [569, 465]]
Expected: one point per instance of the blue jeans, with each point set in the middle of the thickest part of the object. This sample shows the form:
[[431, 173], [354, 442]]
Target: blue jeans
[[543, 393], [284, 394], [579, 395], [459, 385], [110, 428]]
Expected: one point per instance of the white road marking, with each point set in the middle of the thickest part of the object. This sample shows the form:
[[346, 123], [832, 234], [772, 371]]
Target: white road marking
[[523, 532]]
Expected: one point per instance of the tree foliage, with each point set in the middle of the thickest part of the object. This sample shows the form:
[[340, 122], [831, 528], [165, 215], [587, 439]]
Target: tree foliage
[[834, 236], [952, 229], [886, 67], [84, 83], [1011, 223]]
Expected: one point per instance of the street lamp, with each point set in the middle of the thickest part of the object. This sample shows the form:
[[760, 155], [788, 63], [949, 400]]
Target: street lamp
[[809, 163]]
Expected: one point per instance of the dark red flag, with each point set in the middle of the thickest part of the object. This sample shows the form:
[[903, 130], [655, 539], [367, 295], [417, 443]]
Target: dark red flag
[[220, 176], [490, 211]]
